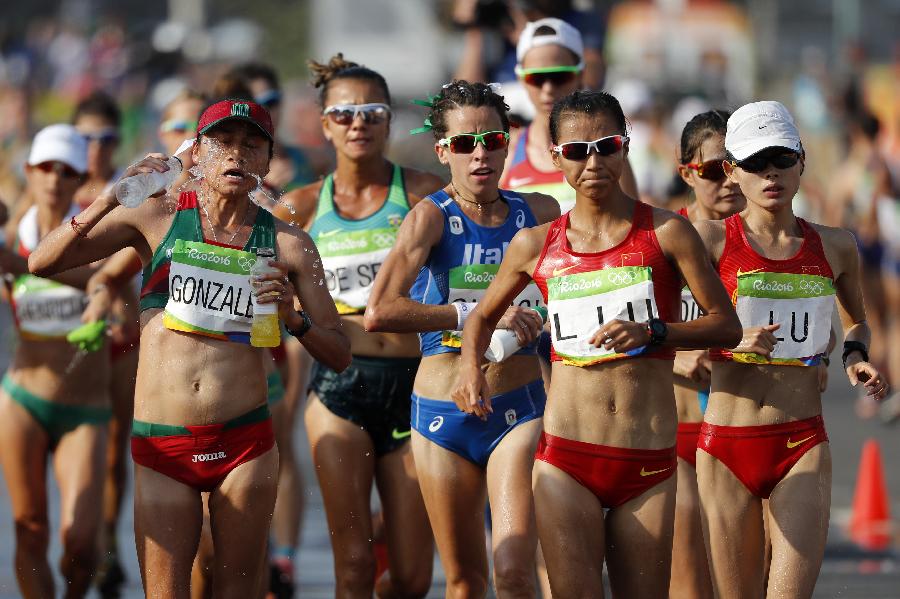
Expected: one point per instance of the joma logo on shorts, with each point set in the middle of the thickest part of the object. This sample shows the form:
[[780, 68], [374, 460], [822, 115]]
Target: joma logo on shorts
[[208, 457]]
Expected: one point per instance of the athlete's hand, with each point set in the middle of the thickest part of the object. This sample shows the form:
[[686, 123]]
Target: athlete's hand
[[863, 372], [526, 323], [99, 303], [621, 336], [471, 394], [822, 372], [693, 365], [758, 340], [275, 288], [150, 163]]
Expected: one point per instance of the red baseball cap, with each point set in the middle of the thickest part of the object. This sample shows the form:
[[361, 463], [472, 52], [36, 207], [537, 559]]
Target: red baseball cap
[[236, 109]]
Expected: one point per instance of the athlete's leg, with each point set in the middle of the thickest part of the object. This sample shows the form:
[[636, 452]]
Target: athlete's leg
[[690, 568], [344, 460], [24, 447], [455, 496], [167, 520], [79, 463], [123, 372], [799, 507], [639, 543], [571, 529], [240, 512], [406, 529], [513, 530], [732, 529], [204, 561]]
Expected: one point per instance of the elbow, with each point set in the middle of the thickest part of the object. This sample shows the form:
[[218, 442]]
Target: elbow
[[342, 359], [39, 267], [732, 331]]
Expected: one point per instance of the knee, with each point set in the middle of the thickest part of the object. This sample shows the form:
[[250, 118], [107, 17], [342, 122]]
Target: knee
[[466, 585], [411, 584], [515, 579], [79, 545], [356, 569], [32, 534]]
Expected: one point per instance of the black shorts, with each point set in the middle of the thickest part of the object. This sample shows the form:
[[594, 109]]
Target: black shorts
[[373, 393]]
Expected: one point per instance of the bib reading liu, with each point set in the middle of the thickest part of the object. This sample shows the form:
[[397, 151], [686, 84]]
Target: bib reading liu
[[209, 291], [579, 304]]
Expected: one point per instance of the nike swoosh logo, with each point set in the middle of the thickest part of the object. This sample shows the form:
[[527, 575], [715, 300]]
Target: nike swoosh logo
[[513, 183], [747, 272], [400, 434], [791, 445], [559, 271], [329, 233], [652, 472]]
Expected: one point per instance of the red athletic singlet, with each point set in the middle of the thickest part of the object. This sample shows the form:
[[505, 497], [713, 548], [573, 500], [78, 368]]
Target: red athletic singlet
[[577, 276], [739, 258]]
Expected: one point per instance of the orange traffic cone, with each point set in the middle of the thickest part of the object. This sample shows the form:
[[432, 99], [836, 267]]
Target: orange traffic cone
[[870, 525]]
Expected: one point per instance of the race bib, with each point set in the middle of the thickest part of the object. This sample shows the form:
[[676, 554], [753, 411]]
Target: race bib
[[46, 309], [351, 260], [690, 310], [468, 283], [801, 304], [579, 304], [209, 291]]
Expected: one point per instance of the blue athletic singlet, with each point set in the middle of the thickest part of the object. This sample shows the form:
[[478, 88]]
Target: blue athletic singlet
[[463, 264]]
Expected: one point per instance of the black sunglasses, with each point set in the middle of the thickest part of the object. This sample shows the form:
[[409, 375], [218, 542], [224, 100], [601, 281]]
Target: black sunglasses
[[760, 162]]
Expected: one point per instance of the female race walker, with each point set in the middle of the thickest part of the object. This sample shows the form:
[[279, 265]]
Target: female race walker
[[763, 435], [201, 420], [358, 420], [447, 252], [54, 400], [610, 271], [716, 197]]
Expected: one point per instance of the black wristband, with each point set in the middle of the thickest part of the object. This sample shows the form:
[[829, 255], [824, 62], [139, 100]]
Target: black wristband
[[852, 346], [304, 327]]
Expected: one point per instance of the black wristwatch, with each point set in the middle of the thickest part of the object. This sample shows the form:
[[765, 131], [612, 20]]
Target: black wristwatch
[[305, 326], [658, 331], [852, 346]]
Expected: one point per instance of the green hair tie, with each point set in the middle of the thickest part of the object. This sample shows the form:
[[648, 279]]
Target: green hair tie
[[425, 128]]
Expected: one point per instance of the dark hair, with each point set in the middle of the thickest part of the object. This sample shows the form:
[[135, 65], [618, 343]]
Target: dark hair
[[699, 129], [231, 87], [461, 93], [100, 104], [338, 68], [586, 102], [250, 71]]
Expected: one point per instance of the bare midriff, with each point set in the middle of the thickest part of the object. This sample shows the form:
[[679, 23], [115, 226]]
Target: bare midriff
[[378, 345], [437, 375], [54, 370]]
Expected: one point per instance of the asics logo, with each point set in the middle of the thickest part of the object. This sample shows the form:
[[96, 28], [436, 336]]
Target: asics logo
[[791, 445], [559, 271], [208, 457], [520, 219], [652, 472], [436, 424], [620, 278]]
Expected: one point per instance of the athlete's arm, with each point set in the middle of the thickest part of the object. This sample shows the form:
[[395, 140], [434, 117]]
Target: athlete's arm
[[842, 253], [420, 184], [14, 264], [390, 308], [544, 207], [471, 393], [300, 262], [303, 201]]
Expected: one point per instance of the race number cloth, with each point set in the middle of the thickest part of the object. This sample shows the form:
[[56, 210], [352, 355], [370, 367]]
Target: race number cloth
[[797, 293], [353, 250], [209, 291], [632, 280], [802, 304], [43, 309], [578, 305], [466, 260]]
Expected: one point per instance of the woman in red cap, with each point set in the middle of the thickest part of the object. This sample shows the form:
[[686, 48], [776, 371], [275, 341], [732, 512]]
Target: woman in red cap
[[763, 436], [201, 420]]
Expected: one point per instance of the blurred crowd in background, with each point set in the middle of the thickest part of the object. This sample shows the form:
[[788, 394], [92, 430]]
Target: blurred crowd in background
[[836, 65]]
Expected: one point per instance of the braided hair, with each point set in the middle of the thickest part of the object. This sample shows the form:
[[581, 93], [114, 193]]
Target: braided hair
[[337, 67], [461, 93], [699, 129]]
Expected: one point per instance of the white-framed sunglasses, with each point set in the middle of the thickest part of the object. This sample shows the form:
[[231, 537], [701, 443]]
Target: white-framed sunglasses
[[344, 114]]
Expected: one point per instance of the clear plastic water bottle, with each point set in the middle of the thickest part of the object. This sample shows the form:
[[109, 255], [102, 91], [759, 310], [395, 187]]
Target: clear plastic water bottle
[[504, 342], [132, 191], [265, 330]]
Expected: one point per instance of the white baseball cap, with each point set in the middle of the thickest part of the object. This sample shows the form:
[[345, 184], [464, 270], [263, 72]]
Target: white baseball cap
[[59, 143], [563, 35], [759, 125]]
